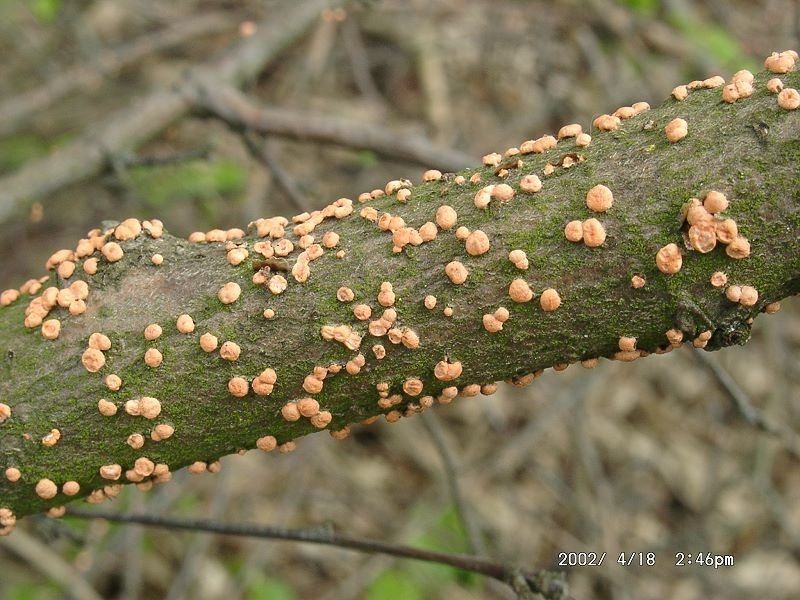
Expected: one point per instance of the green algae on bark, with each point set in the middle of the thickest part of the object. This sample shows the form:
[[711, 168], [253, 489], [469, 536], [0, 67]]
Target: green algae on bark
[[317, 347]]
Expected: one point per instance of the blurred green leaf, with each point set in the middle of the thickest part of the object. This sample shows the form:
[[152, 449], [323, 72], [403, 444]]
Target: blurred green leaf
[[393, 585], [195, 180], [422, 579], [446, 535], [16, 150], [645, 7], [366, 159], [715, 40], [29, 591], [269, 588], [46, 10]]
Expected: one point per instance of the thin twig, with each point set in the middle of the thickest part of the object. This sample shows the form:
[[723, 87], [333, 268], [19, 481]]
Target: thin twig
[[105, 554], [434, 429], [549, 585], [232, 106], [745, 406], [262, 150], [359, 61]]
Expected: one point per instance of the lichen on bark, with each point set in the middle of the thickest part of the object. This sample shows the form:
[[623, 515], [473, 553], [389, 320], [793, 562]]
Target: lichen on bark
[[749, 150]]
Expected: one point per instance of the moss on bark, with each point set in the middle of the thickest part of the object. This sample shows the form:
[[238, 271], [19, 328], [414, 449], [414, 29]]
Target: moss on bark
[[748, 150]]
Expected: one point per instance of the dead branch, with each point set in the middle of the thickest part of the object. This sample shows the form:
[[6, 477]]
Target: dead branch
[[549, 585], [16, 112], [231, 105], [124, 130]]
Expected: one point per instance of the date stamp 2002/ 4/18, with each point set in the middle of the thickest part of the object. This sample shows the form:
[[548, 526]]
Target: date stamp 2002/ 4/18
[[645, 559]]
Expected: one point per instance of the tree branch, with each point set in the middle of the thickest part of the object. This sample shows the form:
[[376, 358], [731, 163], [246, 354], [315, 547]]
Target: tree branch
[[126, 129], [17, 111], [550, 585], [231, 105], [744, 405], [218, 404], [261, 150]]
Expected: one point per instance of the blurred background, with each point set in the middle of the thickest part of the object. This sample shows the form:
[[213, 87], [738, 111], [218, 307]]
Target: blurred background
[[646, 457]]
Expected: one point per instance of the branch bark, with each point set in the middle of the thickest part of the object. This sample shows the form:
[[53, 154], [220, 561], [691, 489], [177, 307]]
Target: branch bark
[[748, 150], [124, 130]]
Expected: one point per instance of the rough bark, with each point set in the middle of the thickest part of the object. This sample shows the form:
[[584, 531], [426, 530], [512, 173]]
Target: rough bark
[[748, 150]]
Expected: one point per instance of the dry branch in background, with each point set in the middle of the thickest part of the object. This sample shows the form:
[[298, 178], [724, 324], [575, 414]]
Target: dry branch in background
[[124, 130], [527, 584], [18, 110], [235, 108]]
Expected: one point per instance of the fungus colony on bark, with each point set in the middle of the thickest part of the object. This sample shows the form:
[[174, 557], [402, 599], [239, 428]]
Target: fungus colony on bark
[[704, 227]]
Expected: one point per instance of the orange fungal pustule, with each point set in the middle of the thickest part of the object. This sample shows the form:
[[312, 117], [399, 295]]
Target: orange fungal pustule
[[549, 300], [531, 183], [594, 234], [51, 329], [456, 272], [738, 248], [447, 371], [267, 443], [775, 85], [606, 122], [152, 332], [748, 296], [8, 297], [46, 489], [446, 217], [106, 408], [519, 259], [599, 198], [669, 259], [153, 358], [573, 231], [715, 202], [570, 130], [230, 351], [93, 360], [208, 342], [789, 99], [184, 323], [345, 294], [733, 293], [780, 62], [676, 130], [238, 387], [230, 292], [112, 251], [519, 291], [477, 243], [718, 279]]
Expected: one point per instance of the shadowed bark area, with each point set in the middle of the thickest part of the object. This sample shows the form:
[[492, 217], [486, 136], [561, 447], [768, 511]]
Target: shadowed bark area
[[748, 150]]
